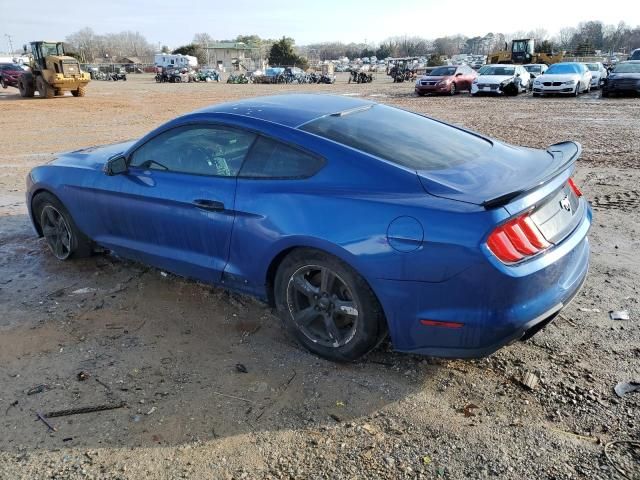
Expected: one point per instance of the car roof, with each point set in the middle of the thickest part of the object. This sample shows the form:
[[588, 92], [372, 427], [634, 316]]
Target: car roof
[[291, 110]]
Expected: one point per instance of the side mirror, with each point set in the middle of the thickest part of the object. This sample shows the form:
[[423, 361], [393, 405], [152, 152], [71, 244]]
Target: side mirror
[[116, 165]]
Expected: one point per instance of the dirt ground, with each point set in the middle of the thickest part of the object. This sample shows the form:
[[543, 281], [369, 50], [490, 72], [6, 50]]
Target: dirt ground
[[169, 347]]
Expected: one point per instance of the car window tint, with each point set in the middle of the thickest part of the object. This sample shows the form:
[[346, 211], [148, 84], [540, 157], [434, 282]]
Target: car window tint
[[200, 150], [401, 137], [271, 159]]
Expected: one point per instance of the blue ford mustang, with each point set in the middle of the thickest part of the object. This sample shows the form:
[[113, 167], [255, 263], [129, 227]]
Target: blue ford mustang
[[353, 219]]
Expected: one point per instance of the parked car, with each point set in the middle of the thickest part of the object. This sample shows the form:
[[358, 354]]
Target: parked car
[[501, 79], [448, 80], [598, 74], [566, 78], [535, 70], [10, 73], [624, 78], [352, 218], [634, 55]]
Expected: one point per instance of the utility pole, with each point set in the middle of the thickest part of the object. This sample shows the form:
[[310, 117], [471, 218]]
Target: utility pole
[[10, 42]]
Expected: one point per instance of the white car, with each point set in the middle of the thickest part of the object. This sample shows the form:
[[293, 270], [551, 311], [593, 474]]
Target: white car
[[501, 79], [598, 74], [535, 69], [567, 78]]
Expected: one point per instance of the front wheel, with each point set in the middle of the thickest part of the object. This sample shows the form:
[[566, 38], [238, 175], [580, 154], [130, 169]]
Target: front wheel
[[64, 239], [452, 90], [327, 306]]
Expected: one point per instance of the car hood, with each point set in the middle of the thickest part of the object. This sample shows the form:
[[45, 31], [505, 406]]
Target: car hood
[[559, 77], [436, 78], [91, 157], [493, 78], [502, 173]]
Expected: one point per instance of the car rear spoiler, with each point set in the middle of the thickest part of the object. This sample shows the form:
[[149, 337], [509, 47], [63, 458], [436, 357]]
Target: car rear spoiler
[[565, 154]]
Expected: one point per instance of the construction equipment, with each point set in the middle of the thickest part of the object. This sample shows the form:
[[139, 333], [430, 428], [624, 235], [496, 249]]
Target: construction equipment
[[52, 72], [522, 52]]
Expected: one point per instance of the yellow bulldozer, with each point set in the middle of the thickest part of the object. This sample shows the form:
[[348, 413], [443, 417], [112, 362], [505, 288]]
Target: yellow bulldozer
[[52, 72], [523, 52]]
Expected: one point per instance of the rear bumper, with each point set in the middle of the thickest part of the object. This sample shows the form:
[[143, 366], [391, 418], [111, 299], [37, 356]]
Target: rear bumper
[[495, 305]]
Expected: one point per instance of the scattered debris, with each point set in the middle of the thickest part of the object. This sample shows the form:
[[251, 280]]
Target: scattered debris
[[12, 404], [241, 368], [37, 389], [622, 388], [164, 274], [234, 397], [83, 291], [153, 409], [610, 460], [468, 410], [530, 380], [619, 315], [339, 403], [67, 439], [590, 310], [89, 409], [82, 375], [426, 460], [44, 420], [335, 417]]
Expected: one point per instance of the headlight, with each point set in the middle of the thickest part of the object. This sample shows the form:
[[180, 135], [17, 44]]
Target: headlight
[[537, 82], [442, 82], [570, 82]]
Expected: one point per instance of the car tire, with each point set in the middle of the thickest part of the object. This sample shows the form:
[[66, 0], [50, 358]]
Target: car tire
[[604, 93], [2, 83], [312, 289], [421, 94], [453, 89], [535, 94], [62, 235], [577, 92]]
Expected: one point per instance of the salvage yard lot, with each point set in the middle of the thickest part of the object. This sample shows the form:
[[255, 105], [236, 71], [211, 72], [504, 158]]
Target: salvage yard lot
[[170, 348]]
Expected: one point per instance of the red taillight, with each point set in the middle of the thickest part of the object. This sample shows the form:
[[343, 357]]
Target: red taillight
[[516, 240], [575, 188]]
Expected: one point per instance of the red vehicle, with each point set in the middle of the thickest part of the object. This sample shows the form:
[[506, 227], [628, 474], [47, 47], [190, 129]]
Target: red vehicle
[[448, 80], [9, 74]]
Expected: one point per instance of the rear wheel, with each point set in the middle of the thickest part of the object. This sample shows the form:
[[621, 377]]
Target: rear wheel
[[44, 89], [80, 91], [2, 83], [327, 306], [64, 239]]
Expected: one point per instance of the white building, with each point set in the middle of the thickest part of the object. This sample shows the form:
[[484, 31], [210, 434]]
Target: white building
[[170, 60]]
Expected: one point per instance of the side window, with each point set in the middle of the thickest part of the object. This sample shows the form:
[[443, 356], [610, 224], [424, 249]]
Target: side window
[[271, 159], [195, 149]]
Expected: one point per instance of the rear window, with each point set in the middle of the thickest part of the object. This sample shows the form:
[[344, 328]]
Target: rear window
[[533, 68], [594, 67], [401, 137]]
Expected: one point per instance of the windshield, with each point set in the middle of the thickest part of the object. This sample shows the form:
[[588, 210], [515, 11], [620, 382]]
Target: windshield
[[443, 71], [594, 67], [14, 67], [563, 68], [401, 137], [533, 68], [52, 49], [627, 68], [496, 70]]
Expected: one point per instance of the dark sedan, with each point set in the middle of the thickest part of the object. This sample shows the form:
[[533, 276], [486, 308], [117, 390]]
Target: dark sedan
[[447, 80], [10, 74], [623, 79]]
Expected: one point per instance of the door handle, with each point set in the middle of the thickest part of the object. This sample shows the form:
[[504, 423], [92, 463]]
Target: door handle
[[211, 205]]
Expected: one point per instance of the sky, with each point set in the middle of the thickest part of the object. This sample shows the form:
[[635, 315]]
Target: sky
[[173, 23]]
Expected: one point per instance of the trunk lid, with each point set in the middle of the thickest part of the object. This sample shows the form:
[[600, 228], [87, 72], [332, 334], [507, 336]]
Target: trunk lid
[[500, 175]]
